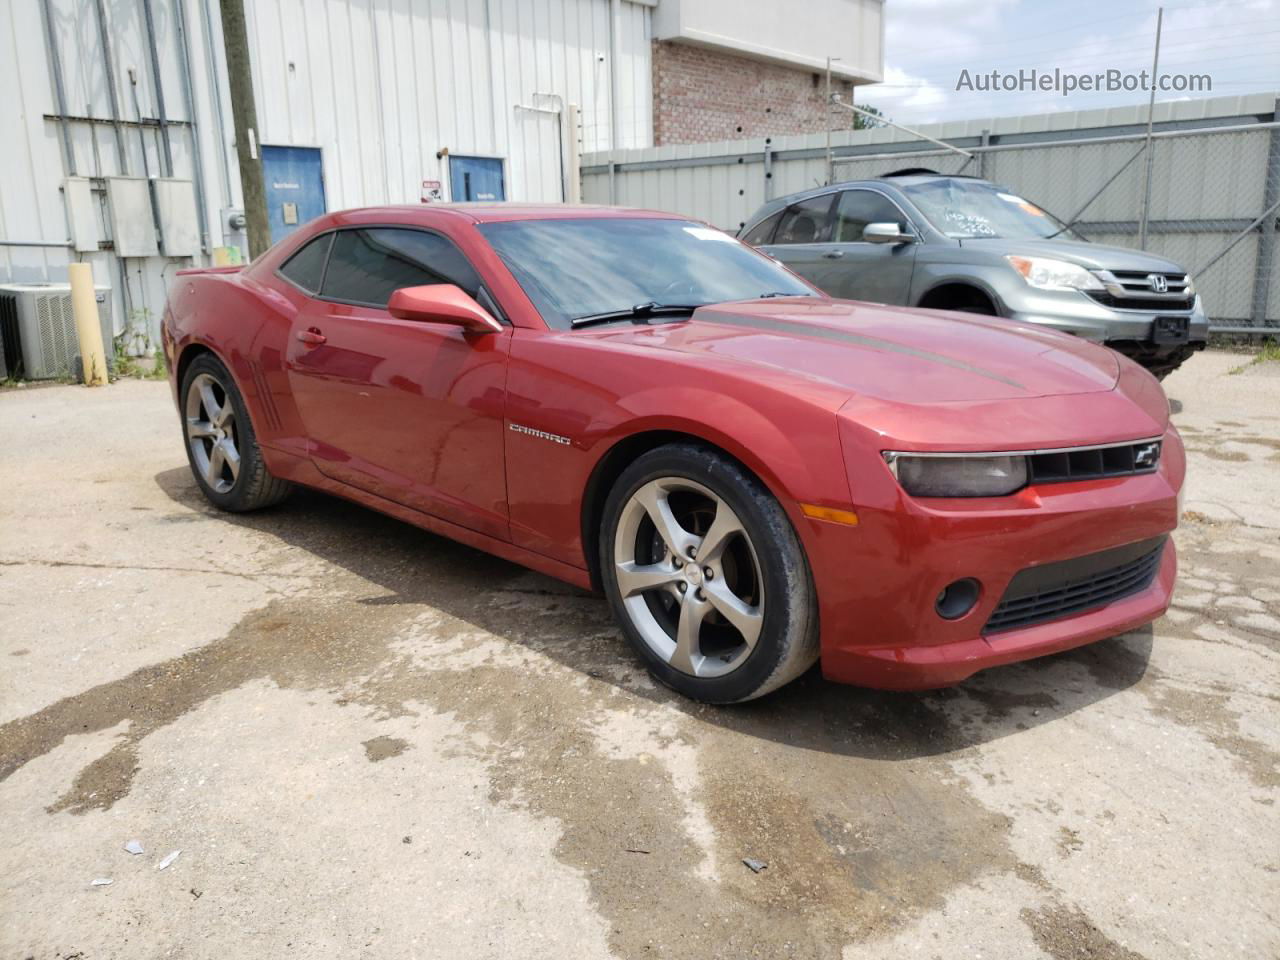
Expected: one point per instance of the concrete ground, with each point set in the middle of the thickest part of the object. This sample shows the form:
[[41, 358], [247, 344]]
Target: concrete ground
[[370, 742]]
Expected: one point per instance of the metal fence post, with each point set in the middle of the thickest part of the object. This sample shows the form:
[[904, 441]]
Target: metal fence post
[[982, 156], [1267, 239], [1151, 107], [768, 170]]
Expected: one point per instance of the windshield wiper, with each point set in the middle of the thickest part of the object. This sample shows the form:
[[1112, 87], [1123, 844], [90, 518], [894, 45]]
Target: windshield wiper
[[650, 308], [779, 293]]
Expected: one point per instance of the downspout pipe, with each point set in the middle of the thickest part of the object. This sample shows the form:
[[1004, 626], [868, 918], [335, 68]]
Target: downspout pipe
[[197, 151], [615, 56], [55, 67], [108, 66], [167, 167]]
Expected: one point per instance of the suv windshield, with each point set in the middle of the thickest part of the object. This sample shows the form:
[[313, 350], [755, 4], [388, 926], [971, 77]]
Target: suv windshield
[[966, 209], [573, 269]]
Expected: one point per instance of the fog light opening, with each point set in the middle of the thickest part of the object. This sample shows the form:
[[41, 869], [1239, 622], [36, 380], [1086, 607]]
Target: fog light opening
[[957, 599]]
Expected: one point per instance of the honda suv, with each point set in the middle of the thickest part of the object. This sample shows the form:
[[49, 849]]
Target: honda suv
[[918, 238]]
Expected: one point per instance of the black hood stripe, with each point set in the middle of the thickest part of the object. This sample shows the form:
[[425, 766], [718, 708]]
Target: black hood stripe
[[841, 336]]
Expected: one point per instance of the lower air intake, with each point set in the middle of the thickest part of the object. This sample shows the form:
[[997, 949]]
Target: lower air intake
[[1057, 590]]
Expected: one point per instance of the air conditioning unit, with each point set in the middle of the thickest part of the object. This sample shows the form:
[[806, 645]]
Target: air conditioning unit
[[38, 330]]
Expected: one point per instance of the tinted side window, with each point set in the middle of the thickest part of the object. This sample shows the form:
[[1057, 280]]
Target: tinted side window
[[857, 208], [762, 232], [367, 266], [806, 221], [306, 267]]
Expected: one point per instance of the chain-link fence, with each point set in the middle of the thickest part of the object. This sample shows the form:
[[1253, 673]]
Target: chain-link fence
[[1205, 194]]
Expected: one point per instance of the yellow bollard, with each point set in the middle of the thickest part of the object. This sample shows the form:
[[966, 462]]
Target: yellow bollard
[[84, 306]]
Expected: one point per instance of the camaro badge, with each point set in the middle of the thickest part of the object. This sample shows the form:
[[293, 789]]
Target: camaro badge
[[541, 434], [1146, 456]]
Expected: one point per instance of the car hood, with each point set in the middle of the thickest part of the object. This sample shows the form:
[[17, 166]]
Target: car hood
[[891, 353], [1093, 256]]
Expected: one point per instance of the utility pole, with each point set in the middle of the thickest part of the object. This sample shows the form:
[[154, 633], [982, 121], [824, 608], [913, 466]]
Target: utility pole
[[235, 41], [1151, 106]]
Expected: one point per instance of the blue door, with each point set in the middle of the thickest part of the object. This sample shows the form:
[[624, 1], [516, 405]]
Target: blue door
[[295, 187], [476, 178]]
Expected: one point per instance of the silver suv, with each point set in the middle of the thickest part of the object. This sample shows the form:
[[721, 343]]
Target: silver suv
[[918, 238]]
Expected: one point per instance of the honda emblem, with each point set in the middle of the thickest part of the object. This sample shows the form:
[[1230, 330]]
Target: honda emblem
[[1159, 282]]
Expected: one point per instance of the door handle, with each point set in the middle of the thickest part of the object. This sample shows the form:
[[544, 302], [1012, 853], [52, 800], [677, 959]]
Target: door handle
[[312, 337], [834, 254]]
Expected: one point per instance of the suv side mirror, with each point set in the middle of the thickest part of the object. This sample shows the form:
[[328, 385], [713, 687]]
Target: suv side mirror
[[886, 233], [442, 303]]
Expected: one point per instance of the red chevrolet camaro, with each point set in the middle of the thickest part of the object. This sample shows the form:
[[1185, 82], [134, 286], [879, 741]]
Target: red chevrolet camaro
[[755, 475]]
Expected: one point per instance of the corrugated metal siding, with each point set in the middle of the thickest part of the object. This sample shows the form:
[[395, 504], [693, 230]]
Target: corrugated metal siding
[[380, 86]]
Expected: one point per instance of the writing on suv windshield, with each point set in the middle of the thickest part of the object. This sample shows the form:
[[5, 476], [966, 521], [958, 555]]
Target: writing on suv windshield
[[604, 269], [969, 209]]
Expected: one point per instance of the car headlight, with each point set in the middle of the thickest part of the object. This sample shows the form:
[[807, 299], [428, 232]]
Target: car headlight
[[1045, 274], [1191, 287], [958, 476]]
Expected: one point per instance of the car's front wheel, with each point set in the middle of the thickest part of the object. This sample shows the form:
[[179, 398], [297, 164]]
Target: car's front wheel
[[221, 445], [707, 576]]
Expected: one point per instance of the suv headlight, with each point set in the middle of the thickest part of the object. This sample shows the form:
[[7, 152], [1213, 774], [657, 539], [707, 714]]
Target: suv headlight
[[957, 476], [1045, 274]]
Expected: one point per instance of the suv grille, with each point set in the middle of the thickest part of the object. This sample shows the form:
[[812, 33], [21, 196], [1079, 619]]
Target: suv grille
[[1092, 463], [1057, 590], [1149, 304], [1136, 290]]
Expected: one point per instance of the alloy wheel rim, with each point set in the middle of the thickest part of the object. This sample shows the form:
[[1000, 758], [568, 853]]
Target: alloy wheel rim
[[212, 434], [689, 577]]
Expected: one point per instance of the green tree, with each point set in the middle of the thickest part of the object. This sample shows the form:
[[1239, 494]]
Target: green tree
[[863, 122]]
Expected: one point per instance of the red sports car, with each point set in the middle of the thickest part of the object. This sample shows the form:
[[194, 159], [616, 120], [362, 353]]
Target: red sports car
[[755, 475]]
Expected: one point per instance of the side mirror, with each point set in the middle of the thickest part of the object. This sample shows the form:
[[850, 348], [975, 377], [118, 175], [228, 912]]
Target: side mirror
[[442, 303], [886, 233]]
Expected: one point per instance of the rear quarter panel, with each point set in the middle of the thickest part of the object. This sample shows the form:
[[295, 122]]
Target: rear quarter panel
[[245, 323]]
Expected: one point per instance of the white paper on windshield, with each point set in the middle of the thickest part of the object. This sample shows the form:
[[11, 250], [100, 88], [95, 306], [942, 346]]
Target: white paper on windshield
[[706, 233]]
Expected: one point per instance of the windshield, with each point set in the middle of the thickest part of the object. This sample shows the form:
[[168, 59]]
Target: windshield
[[966, 209], [583, 268]]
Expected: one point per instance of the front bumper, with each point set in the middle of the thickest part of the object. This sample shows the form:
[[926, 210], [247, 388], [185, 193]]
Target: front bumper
[[877, 582], [930, 667], [1077, 314]]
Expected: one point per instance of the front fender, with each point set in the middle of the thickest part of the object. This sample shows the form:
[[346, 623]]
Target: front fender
[[569, 407]]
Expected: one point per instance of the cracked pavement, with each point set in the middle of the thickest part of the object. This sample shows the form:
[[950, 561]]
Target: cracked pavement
[[371, 742]]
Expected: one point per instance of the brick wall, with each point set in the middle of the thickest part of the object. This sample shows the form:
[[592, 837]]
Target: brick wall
[[701, 95]]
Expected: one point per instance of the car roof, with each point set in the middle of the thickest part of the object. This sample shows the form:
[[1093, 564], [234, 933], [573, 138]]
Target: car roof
[[889, 181], [500, 211]]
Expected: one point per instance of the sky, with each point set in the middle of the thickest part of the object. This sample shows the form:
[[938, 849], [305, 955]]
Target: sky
[[929, 42]]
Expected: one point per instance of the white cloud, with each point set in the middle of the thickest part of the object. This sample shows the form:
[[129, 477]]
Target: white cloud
[[928, 43]]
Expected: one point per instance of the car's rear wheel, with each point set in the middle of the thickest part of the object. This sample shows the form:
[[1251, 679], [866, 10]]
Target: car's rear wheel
[[221, 445], [706, 576]]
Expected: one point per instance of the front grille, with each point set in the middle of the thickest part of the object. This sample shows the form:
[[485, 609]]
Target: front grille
[[1149, 304], [1093, 463], [1056, 590], [1139, 290]]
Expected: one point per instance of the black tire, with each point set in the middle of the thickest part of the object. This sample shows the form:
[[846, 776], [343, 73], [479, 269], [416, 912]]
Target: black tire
[[961, 300], [251, 487], [787, 643]]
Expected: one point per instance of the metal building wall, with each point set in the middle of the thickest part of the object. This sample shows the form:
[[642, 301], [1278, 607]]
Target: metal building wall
[[381, 86]]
